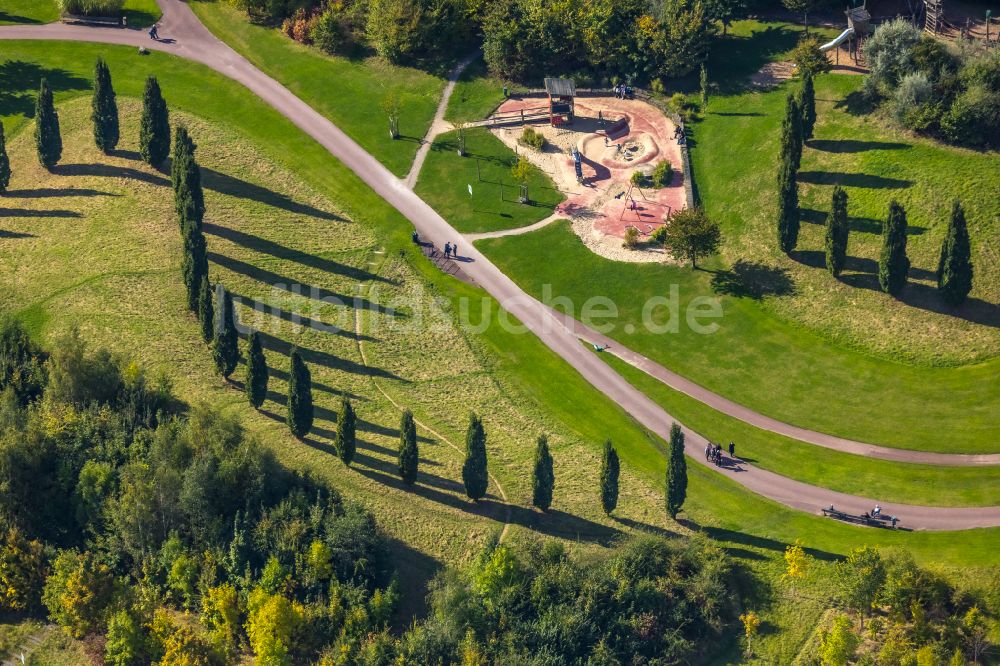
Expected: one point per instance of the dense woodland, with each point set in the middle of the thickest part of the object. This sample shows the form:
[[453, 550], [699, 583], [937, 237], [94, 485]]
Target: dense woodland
[[168, 533]]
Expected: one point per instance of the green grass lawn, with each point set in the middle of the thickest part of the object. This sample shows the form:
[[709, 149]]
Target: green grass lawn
[[755, 358], [139, 12], [348, 92], [878, 479], [875, 164], [445, 178], [272, 194], [476, 94]]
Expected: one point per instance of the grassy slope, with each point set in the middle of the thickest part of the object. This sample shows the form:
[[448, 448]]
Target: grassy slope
[[476, 94], [519, 362], [348, 92], [754, 531], [857, 475], [781, 370], [138, 12], [875, 164], [445, 177]]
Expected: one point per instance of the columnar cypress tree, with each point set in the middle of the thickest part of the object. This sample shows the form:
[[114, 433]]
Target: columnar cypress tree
[[543, 480], [893, 264], [185, 174], [256, 382], [475, 474], [677, 481], [807, 105], [954, 272], [347, 422], [788, 208], [194, 264], [105, 109], [154, 131], [610, 469], [206, 310], [791, 133], [225, 351], [4, 162], [837, 232], [47, 137], [300, 404], [409, 457]]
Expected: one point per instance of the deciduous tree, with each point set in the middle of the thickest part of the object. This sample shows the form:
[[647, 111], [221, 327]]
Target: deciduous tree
[[300, 404], [837, 645], [859, 577], [154, 128], [804, 6], [225, 351], [837, 232], [48, 140], [676, 483], [610, 469], [346, 436], [893, 264], [689, 233], [543, 479], [409, 456], [954, 271], [257, 373], [105, 109], [475, 472]]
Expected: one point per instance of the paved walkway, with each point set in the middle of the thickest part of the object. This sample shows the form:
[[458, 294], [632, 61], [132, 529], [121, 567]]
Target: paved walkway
[[195, 42], [517, 231], [439, 125]]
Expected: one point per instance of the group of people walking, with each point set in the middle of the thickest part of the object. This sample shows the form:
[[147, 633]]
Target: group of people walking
[[623, 91], [713, 453], [450, 249]]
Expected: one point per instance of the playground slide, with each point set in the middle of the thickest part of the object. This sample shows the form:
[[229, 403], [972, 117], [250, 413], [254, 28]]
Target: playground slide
[[838, 41]]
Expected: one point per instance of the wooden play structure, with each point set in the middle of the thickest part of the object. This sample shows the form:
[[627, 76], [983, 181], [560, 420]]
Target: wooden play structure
[[561, 93], [933, 16], [858, 26]]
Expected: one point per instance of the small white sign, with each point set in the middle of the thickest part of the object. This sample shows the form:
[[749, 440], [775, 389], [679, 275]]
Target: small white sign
[[470, 189]]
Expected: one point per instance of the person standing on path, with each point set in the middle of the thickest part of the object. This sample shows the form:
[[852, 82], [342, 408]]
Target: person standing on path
[[447, 250], [708, 451], [732, 450], [454, 250]]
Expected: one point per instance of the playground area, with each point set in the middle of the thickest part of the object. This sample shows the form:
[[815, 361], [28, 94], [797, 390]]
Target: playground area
[[592, 159]]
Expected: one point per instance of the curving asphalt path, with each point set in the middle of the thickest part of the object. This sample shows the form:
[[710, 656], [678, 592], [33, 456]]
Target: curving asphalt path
[[195, 42]]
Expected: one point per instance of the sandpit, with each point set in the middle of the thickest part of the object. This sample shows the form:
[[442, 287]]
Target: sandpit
[[603, 205]]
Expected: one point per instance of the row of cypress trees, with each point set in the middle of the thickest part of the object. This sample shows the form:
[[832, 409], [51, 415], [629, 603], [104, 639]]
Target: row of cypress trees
[[954, 271], [475, 474]]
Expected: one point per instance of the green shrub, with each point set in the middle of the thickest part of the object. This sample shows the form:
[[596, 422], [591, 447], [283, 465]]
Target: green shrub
[[662, 173], [533, 139], [914, 90], [92, 7], [631, 240]]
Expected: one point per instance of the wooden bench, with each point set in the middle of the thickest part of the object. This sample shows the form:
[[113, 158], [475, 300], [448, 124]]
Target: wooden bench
[[93, 20]]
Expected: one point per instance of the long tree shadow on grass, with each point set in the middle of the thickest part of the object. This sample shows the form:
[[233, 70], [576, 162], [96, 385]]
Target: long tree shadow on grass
[[15, 234], [865, 225], [734, 59], [863, 180], [241, 189], [27, 212], [254, 242], [859, 265], [291, 286], [926, 297], [14, 18], [19, 82], [325, 359], [753, 279], [854, 145], [553, 523], [56, 192], [297, 319], [743, 539], [110, 171]]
